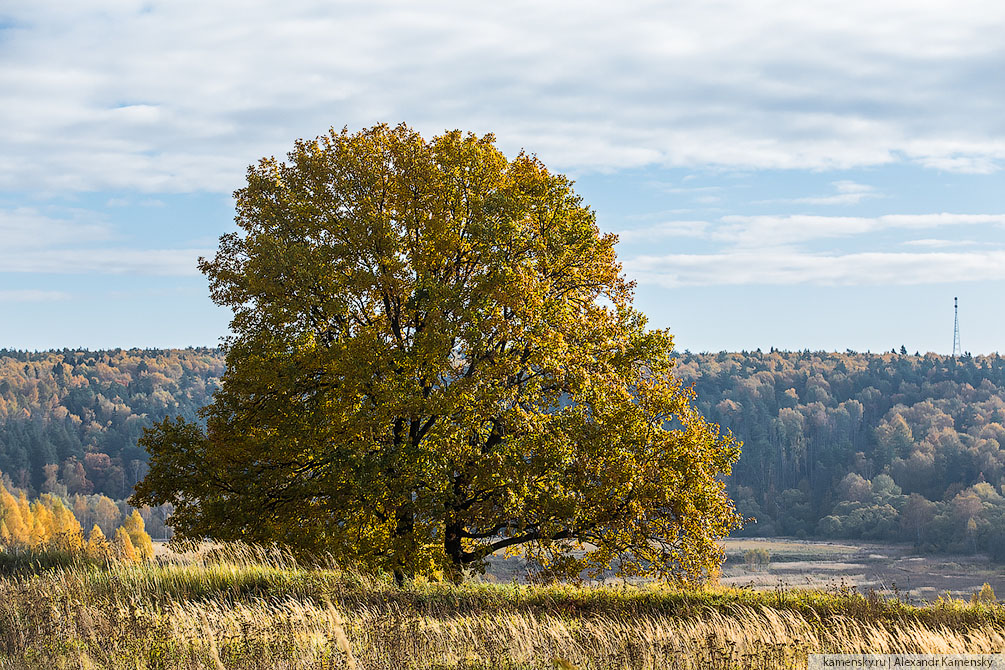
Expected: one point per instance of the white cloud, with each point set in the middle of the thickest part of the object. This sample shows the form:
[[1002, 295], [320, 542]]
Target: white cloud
[[664, 230], [78, 243], [848, 186], [780, 230], [973, 164], [162, 262], [31, 295], [932, 243], [940, 219], [692, 189], [125, 202], [767, 250], [182, 95], [848, 193], [27, 228], [787, 266]]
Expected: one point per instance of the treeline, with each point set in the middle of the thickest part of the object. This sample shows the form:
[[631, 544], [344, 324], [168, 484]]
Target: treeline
[[47, 524], [840, 445], [70, 420], [863, 446]]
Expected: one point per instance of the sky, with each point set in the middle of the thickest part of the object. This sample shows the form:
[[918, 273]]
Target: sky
[[801, 175]]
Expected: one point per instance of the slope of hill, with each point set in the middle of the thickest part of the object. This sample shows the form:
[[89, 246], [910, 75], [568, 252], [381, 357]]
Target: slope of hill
[[849, 445], [69, 420], [872, 446]]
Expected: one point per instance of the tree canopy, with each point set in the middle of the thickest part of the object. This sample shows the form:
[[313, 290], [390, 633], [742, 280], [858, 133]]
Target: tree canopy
[[863, 446], [70, 419], [807, 420], [434, 357]]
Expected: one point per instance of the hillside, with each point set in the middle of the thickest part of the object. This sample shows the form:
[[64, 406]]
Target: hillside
[[871, 446], [69, 420], [862, 446]]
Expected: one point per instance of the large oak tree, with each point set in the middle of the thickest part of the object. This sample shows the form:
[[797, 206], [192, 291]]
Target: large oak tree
[[434, 357]]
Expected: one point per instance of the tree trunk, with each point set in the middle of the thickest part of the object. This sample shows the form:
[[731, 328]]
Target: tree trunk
[[454, 549], [403, 532]]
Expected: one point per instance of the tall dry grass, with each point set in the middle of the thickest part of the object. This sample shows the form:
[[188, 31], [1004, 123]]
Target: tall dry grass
[[253, 609]]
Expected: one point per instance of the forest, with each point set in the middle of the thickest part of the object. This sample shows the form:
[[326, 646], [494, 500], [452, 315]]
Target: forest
[[70, 421], [891, 447], [864, 446]]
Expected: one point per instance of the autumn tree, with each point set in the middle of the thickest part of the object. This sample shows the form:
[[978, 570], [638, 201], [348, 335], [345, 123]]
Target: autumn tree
[[106, 514], [434, 357], [66, 534], [75, 477], [916, 515], [893, 438], [15, 531], [98, 548], [122, 547], [133, 526]]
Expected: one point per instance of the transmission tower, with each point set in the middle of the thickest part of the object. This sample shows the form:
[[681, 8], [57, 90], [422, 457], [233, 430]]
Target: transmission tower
[[957, 349]]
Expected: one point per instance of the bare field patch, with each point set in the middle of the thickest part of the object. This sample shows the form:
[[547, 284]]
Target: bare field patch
[[890, 569], [790, 547]]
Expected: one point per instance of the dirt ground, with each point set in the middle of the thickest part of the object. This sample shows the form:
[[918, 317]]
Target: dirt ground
[[887, 568]]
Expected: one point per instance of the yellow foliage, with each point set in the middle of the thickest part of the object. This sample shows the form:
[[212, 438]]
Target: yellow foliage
[[106, 513], [11, 515], [41, 528], [122, 547], [47, 523], [985, 595], [22, 504], [133, 525], [64, 520], [98, 547], [67, 535]]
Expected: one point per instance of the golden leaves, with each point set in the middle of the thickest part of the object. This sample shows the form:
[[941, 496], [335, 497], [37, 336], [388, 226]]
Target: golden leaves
[[435, 347]]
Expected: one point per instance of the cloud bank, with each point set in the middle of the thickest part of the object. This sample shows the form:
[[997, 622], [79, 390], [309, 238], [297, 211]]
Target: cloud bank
[[794, 267], [182, 95], [32, 295], [78, 243], [774, 250]]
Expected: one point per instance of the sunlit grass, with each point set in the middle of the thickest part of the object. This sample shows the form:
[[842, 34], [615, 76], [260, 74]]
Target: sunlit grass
[[245, 608]]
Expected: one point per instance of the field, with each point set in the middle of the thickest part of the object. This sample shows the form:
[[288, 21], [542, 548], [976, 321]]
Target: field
[[251, 610], [891, 569]]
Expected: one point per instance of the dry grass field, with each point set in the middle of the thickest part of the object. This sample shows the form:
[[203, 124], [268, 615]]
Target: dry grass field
[[888, 568], [255, 610]]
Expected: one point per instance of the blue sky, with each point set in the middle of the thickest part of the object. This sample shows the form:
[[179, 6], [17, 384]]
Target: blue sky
[[824, 175]]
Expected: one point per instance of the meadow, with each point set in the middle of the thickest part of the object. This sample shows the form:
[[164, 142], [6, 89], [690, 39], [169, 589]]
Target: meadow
[[897, 570], [248, 609]]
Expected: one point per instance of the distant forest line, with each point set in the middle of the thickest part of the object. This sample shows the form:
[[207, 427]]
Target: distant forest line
[[890, 447], [863, 446]]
